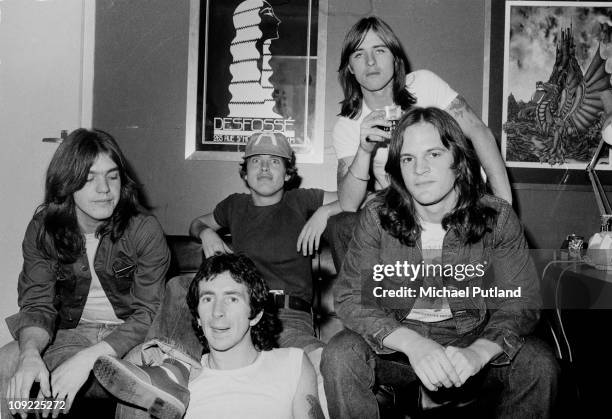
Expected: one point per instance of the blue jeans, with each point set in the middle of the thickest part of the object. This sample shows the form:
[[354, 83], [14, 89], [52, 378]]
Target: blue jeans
[[172, 333], [524, 388], [340, 232], [66, 343]]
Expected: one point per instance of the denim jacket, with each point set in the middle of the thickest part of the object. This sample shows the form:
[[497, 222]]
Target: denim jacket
[[502, 253], [132, 273]]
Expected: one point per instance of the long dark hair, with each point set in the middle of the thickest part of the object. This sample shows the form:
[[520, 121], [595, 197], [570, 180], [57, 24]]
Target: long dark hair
[[351, 105], [242, 269], [60, 236], [470, 217]]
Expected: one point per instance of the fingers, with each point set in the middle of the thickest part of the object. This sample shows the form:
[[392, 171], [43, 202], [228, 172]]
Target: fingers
[[311, 243], [371, 131], [443, 370], [301, 238], [210, 248], [40, 397], [460, 363], [227, 248], [21, 385], [374, 121], [376, 135], [305, 240], [43, 379], [425, 378], [436, 375], [58, 406], [450, 372], [24, 385], [308, 242], [59, 393], [317, 241], [437, 371], [10, 394], [69, 399]]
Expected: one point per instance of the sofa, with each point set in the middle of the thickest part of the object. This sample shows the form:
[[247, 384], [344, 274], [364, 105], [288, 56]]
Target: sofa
[[187, 257]]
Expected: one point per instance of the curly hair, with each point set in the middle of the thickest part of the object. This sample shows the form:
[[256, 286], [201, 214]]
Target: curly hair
[[290, 170], [242, 269], [60, 236], [351, 105], [470, 217]]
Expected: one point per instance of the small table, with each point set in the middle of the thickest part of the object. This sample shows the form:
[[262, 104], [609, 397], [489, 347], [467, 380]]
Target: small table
[[576, 285], [579, 297]]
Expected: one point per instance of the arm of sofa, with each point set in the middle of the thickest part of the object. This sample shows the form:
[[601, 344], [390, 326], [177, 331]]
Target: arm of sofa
[[186, 255]]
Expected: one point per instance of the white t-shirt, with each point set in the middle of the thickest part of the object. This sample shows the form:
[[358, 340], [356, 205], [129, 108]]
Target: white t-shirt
[[262, 390], [98, 308], [429, 91], [437, 309]]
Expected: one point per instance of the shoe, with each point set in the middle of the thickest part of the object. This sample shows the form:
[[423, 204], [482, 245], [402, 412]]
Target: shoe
[[148, 387]]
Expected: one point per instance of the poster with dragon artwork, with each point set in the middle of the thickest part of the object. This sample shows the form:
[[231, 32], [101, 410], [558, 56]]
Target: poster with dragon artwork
[[255, 66], [557, 62]]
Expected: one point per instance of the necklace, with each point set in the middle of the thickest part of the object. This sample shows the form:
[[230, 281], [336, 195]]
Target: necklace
[[212, 365]]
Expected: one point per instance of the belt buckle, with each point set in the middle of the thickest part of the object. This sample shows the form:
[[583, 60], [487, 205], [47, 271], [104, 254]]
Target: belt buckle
[[279, 298]]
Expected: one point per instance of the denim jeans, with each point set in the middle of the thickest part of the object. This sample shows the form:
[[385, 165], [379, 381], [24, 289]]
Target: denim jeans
[[172, 332], [524, 388], [66, 343], [340, 232]]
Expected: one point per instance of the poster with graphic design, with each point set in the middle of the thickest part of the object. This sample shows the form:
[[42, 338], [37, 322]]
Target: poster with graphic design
[[255, 66], [558, 61]]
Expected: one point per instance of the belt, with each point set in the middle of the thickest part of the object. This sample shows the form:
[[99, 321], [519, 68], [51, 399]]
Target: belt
[[289, 301]]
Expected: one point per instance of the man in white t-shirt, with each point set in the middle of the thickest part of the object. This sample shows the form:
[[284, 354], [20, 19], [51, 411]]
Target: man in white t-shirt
[[373, 74], [242, 374]]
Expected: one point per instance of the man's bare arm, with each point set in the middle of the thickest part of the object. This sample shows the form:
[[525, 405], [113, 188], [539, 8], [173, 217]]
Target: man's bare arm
[[201, 223], [306, 401], [205, 228], [353, 176], [485, 146]]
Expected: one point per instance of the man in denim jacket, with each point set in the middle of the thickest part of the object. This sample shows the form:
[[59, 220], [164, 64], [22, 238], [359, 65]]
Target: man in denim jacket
[[470, 307], [94, 266]]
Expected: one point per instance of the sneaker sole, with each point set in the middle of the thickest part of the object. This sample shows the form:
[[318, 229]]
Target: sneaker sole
[[129, 387]]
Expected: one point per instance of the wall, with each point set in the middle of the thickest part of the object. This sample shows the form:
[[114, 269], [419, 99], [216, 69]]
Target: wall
[[41, 68], [140, 79]]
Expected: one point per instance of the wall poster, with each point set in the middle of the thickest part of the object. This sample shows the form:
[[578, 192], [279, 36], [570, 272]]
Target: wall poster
[[255, 65], [557, 61]]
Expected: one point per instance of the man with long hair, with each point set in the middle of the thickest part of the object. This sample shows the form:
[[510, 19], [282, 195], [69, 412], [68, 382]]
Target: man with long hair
[[374, 73], [242, 374], [92, 278], [437, 285]]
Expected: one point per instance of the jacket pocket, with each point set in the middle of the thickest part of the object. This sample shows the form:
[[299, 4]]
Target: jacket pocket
[[123, 270]]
